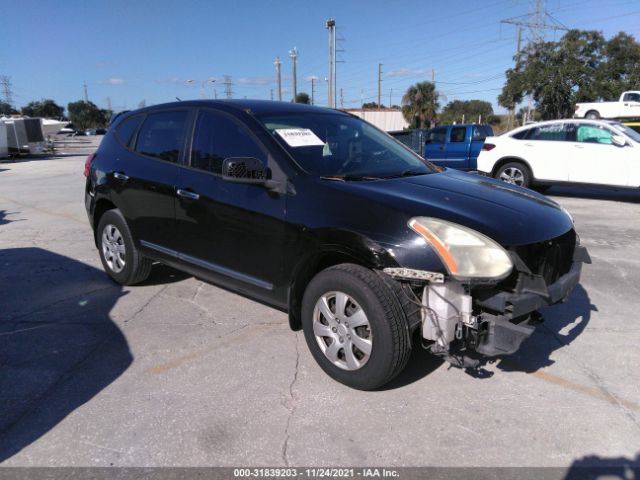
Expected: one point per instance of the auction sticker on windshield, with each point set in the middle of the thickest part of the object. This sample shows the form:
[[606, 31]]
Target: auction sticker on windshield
[[299, 137]]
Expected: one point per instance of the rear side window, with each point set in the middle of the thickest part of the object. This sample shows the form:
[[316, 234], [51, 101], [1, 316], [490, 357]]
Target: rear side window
[[521, 135], [217, 136], [127, 129], [458, 134], [437, 135], [162, 135]]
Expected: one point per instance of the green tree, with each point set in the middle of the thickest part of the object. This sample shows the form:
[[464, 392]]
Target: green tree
[[6, 109], [420, 104], [471, 110], [372, 105], [303, 97], [44, 108], [87, 115], [581, 66]]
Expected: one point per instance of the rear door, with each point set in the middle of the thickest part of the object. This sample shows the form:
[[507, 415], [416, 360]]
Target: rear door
[[456, 149], [233, 231], [435, 144], [145, 172], [547, 150]]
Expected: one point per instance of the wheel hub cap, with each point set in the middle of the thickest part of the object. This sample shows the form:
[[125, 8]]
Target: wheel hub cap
[[342, 330], [113, 248]]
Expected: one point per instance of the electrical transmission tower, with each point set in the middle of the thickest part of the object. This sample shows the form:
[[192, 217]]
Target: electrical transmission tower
[[6, 90], [535, 23], [227, 86]]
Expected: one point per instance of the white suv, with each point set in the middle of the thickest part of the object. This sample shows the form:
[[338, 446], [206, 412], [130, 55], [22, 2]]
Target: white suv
[[582, 151]]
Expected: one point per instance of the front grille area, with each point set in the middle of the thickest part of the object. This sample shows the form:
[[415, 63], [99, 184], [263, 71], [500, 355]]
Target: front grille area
[[552, 258]]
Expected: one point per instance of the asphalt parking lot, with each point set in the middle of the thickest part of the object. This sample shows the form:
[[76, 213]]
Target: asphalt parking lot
[[177, 372]]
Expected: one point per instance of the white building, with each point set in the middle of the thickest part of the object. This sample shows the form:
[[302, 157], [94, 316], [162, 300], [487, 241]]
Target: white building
[[387, 119]]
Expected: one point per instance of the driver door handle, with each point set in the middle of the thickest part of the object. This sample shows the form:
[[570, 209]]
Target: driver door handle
[[187, 194]]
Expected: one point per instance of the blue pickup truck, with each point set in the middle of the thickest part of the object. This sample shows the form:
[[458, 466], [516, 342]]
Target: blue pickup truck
[[454, 146]]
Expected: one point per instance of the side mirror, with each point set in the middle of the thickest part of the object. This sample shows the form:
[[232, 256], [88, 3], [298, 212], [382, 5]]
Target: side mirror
[[619, 140], [244, 170]]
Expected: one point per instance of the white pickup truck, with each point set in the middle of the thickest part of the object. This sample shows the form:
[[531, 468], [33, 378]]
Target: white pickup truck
[[627, 106]]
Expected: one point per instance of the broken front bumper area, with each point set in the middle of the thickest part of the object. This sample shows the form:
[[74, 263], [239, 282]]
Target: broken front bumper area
[[491, 321]]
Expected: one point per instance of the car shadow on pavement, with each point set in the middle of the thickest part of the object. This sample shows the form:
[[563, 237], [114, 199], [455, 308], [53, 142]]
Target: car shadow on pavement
[[58, 345], [563, 323], [162, 274], [593, 467], [421, 363], [595, 193]]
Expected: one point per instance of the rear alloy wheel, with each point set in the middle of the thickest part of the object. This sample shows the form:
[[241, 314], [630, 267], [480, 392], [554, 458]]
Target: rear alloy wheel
[[592, 115], [355, 326], [514, 173], [120, 258]]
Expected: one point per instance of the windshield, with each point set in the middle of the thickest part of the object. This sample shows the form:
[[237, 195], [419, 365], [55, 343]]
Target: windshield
[[336, 145], [629, 132]]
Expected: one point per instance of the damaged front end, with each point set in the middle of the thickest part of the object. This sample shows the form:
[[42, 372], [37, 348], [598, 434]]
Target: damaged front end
[[463, 319]]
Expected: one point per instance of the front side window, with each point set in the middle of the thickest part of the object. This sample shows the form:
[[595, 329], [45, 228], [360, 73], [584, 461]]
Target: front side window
[[217, 137], [339, 145], [555, 132], [593, 134], [162, 135], [458, 134]]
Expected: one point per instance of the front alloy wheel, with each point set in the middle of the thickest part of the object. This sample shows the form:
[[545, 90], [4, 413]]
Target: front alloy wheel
[[355, 325], [342, 330]]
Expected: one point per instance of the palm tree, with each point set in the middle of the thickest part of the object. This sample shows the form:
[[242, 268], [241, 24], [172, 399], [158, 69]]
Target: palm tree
[[419, 104]]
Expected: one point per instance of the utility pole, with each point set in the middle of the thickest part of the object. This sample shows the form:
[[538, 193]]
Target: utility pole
[[331, 26], [86, 95], [390, 95], [433, 77], [6, 91], [313, 90], [109, 104], [293, 53], [341, 99], [272, 94], [227, 86], [379, 81], [277, 64]]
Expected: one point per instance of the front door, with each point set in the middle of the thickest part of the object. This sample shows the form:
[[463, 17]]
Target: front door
[[233, 231], [600, 161]]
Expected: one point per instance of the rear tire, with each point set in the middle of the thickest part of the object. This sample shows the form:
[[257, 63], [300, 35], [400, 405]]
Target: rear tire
[[592, 115], [375, 347], [515, 173], [120, 258]]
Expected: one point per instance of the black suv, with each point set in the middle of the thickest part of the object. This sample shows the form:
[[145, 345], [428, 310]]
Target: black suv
[[316, 212]]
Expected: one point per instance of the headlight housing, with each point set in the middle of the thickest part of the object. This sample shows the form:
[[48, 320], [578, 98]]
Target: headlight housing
[[467, 254]]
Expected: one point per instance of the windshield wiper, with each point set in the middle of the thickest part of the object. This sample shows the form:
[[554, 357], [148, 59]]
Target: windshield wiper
[[407, 173], [349, 178]]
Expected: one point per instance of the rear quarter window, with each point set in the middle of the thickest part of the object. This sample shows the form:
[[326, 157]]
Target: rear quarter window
[[126, 130]]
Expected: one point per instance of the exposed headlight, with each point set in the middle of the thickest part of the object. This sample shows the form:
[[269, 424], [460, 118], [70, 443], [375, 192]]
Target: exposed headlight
[[467, 254]]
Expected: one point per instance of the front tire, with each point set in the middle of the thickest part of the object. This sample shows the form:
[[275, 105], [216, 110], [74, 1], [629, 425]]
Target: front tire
[[592, 115], [120, 258], [515, 173], [355, 327]]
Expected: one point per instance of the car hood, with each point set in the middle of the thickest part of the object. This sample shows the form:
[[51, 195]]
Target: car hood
[[508, 214]]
